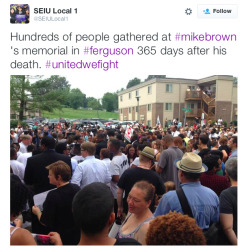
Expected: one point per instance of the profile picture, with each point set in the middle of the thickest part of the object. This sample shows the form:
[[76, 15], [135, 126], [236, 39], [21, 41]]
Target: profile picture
[[19, 14]]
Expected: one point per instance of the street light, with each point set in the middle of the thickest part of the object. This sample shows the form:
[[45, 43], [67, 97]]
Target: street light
[[138, 98]]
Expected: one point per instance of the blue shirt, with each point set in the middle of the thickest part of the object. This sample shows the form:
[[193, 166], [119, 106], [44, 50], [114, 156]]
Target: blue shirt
[[203, 202], [89, 171]]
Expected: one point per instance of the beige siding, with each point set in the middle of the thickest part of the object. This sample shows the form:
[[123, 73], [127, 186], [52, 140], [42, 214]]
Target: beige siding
[[224, 90]]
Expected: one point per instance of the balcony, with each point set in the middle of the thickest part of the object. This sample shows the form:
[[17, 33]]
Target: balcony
[[196, 113], [193, 95]]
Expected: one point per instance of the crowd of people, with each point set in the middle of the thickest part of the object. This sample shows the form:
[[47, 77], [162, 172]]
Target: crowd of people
[[163, 186]]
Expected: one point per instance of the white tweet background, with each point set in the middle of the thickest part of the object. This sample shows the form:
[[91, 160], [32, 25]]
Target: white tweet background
[[137, 17]]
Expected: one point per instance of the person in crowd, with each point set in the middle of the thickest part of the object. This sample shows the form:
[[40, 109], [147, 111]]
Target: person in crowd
[[228, 203], [105, 157], [220, 154], [135, 163], [18, 201], [63, 148], [22, 158], [17, 167], [131, 154], [165, 165], [57, 208], [133, 175], [233, 145], [214, 144], [25, 141], [77, 153], [118, 165], [60, 138], [190, 145], [174, 131], [174, 229], [157, 146], [203, 201], [36, 174], [13, 137], [136, 223], [210, 179], [223, 141], [203, 141], [91, 169], [101, 143], [93, 211], [179, 143], [169, 186]]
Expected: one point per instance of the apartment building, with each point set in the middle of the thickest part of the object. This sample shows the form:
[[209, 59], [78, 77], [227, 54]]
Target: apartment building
[[211, 97]]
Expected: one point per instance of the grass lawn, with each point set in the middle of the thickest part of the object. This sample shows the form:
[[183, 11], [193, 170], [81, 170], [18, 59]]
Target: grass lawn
[[79, 113]]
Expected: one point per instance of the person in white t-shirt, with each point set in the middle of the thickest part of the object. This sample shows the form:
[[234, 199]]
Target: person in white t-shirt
[[105, 158], [118, 165], [22, 158], [17, 167]]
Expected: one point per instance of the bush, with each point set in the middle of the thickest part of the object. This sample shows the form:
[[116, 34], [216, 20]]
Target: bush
[[224, 123]]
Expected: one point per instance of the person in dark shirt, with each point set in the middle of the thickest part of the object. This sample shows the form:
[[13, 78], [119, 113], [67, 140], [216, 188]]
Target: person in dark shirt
[[228, 203], [133, 175], [57, 208], [93, 212], [101, 143], [210, 179]]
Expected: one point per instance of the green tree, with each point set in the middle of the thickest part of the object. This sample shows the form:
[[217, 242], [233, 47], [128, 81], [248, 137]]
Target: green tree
[[50, 94], [94, 103], [19, 94], [110, 101], [76, 98], [133, 82], [155, 76]]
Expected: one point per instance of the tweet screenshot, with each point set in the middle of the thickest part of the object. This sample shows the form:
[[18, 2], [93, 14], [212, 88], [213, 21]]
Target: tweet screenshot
[[124, 122]]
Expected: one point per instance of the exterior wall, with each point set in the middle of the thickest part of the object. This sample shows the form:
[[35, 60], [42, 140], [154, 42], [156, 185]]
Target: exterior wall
[[125, 114], [235, 112], [157, 109], [235, 94], [223, 109], [224, 90], [143, 111]]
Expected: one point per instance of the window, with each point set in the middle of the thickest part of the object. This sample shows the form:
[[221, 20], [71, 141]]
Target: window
[[168, 106], [149, 89], [121, 111], [190, 106], [149, 123], [129, 95], [137, 93], [129, 110], [169, 88], [120, 97], [149, 107]]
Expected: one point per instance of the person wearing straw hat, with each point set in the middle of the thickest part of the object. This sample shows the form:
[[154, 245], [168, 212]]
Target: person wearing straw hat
[[204, 202], [133, 175]]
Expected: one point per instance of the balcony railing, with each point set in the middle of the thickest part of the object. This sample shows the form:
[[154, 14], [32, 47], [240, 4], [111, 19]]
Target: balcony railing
[[193, 94], [196, 113]]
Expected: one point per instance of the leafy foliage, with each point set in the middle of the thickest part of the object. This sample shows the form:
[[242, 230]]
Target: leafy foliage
[[133, 82]]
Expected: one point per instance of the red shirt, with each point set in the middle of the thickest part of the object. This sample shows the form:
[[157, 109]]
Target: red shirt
[[215, 182]]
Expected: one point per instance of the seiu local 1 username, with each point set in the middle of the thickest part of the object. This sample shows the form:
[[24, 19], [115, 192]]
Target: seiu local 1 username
[[53, 11]]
